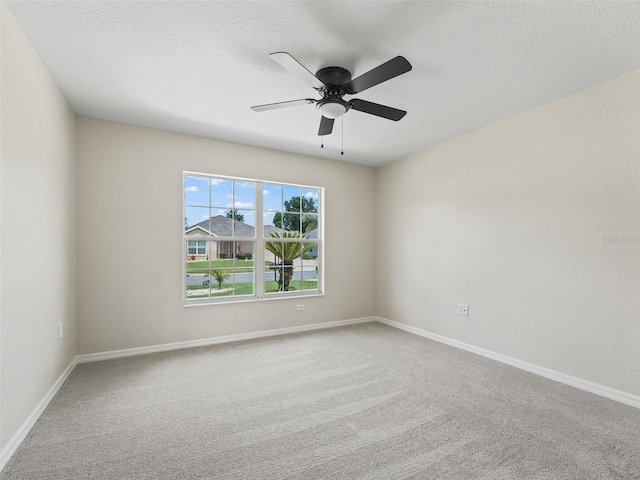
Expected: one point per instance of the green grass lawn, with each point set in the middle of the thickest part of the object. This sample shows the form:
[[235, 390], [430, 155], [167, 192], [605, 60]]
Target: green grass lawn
[[203, 266], [247, 288]]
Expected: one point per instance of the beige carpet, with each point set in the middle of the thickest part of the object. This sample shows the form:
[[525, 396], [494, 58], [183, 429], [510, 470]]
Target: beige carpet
[[360, 402]]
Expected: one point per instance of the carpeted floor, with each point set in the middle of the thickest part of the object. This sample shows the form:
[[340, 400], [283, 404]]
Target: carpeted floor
[[360, 402]]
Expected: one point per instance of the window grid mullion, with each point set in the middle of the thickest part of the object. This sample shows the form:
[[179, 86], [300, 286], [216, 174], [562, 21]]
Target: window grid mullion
[[258, 263]]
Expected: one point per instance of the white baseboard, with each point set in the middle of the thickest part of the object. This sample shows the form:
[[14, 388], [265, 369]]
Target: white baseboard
[[617, 395], [95, 357], [15, 441]]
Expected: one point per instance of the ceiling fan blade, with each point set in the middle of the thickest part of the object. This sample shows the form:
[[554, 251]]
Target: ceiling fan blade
[[290, 103], [326, 126], [377, 109], [296, 68], [382, 73]]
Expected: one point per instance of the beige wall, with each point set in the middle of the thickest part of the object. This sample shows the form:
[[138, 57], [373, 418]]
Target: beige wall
[[130, 196], [514, 220], [38, 194]]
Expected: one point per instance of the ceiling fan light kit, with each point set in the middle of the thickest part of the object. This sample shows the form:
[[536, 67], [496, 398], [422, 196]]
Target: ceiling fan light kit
[[333, 83], [332, 107]]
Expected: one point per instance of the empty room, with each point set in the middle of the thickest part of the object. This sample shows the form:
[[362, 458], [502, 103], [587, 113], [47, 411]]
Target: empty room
[[319, 240]]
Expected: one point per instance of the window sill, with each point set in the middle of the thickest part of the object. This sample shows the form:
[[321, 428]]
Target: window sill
[[249, 299]]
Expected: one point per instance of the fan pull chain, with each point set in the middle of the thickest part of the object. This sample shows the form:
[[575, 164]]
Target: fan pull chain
[[342, 147], [321, 142]]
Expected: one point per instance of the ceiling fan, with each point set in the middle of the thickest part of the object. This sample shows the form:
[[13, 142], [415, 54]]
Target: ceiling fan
[[333, 83]]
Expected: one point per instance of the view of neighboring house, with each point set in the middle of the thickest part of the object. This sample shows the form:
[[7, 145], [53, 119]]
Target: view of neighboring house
[[221, 226]]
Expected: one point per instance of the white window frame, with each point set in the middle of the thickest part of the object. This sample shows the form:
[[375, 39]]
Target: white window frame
[[259, 293]]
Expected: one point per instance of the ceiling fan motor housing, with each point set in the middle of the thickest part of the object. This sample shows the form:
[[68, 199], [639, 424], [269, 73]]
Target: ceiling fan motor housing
[[334, 77]]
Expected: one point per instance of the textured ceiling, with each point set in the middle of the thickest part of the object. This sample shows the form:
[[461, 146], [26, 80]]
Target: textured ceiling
[[197, 67]]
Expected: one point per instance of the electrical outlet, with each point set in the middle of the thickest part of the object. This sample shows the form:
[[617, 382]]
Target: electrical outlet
[[299, 308], [463, 309], [59, 331]]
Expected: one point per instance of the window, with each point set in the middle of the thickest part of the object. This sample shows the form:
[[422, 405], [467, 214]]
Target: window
[[196, 247], [254, 239]]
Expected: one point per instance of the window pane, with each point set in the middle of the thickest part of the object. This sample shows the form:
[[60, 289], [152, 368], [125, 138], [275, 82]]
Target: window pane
[[196, 191], [247, 217], [296, 275], [289, 267], [197, 269], [226, 270], [222, 250], [245, 195], [271, 279], [267, 221], [197, 217], [195, 288], [310, 202], [272, 197], [221, 193], [291, 222], [310, 225], [291, 196], [221, 280], [244, 251], [221, 226], [197, 250], [269, 256], [309, 268], [273, 271], [240, 283], [280, 222], [311, 196]]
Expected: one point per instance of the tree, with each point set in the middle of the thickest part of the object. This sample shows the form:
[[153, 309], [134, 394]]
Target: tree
[[287, 252], [291, 221], [231, 213], [220, 276]]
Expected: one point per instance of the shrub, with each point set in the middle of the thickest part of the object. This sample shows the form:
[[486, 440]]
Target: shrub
[[222, 256]]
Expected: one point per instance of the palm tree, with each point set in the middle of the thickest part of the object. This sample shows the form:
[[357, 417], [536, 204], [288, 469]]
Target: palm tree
[[287, 252], [219, 275]]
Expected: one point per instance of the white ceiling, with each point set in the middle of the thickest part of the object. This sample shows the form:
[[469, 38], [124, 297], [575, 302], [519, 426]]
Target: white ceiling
[[196, 67]]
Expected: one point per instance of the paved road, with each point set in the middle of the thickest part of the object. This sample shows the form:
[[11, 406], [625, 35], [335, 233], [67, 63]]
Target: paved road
[[309, 274]]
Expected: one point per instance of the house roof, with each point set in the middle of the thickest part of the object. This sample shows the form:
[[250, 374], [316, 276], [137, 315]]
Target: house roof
[[268, 229], [196, 227], [222, 226]]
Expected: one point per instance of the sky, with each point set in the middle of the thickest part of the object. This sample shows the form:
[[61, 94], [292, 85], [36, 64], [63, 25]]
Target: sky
[[208, 196]]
